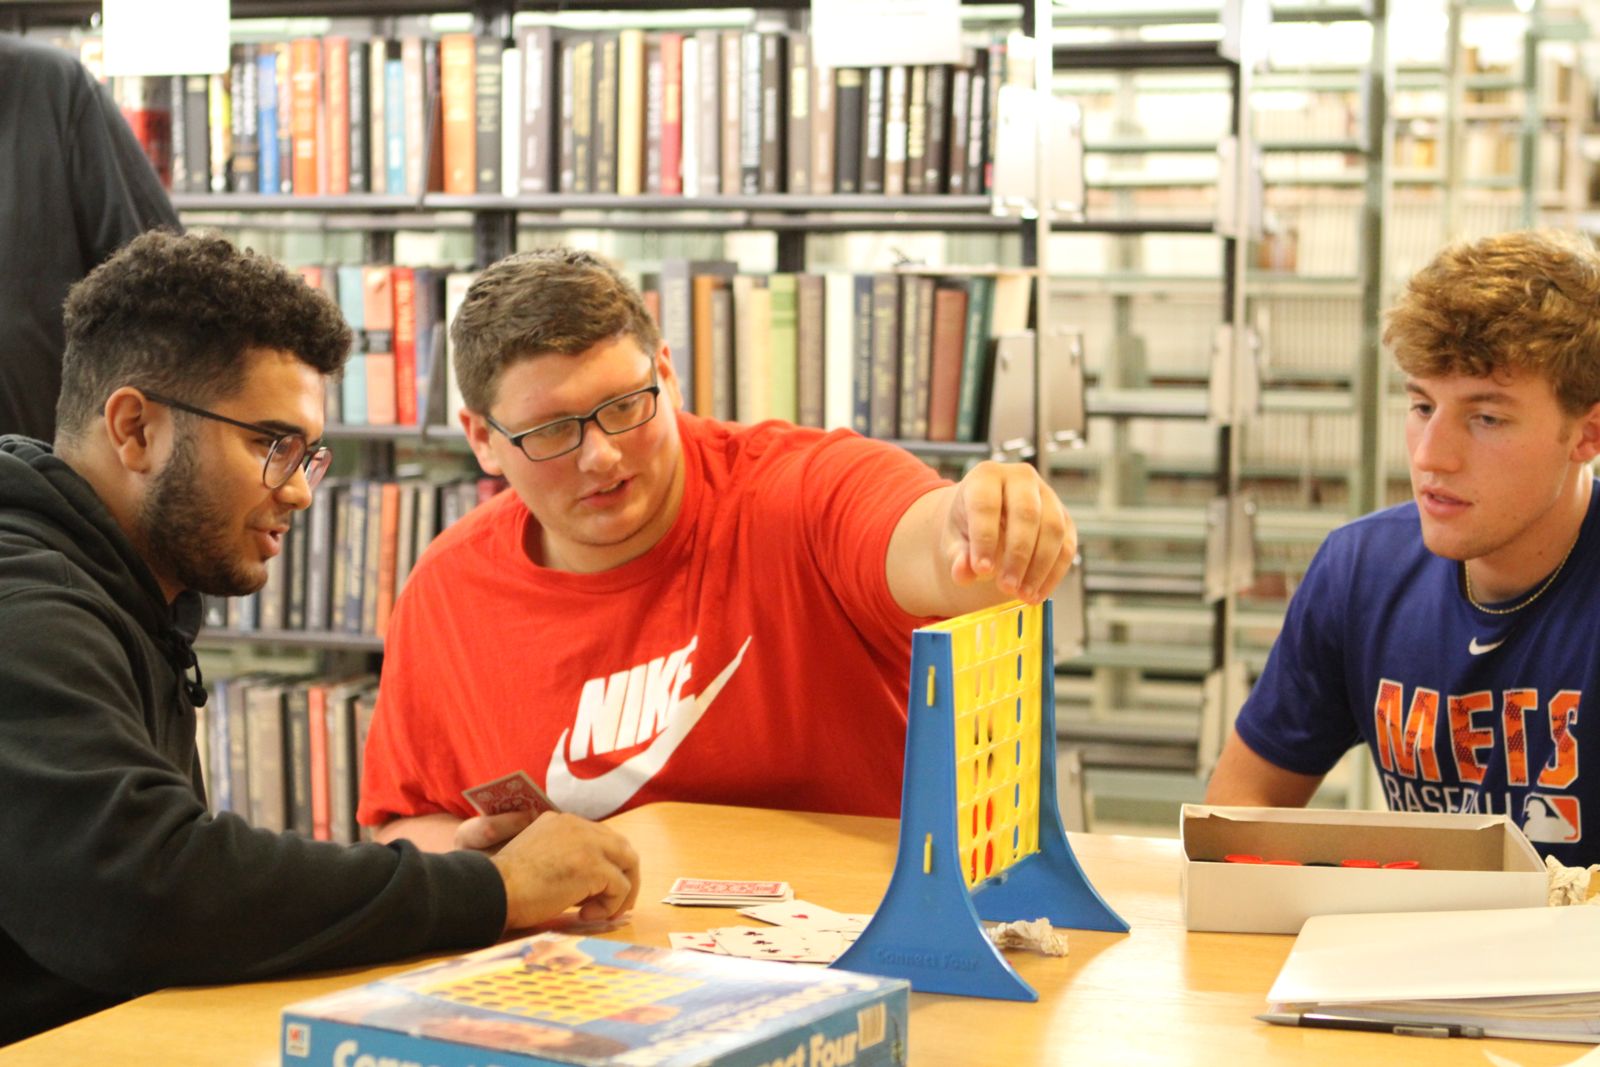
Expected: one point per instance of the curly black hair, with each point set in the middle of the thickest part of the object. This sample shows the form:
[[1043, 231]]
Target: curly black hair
[[178, 314]]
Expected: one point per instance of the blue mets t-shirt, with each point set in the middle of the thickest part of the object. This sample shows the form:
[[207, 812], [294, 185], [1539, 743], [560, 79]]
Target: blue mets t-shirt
[[1464, 710]]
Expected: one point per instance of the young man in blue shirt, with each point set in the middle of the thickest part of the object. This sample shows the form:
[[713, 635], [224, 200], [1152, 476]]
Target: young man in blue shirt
[[1456, 635]]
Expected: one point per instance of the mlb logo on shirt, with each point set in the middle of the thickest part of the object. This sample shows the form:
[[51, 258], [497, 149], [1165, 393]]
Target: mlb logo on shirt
[[1551, 819], [297, 1040]]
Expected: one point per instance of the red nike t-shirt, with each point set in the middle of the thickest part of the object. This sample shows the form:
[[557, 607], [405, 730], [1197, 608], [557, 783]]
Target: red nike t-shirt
[[754, 656]]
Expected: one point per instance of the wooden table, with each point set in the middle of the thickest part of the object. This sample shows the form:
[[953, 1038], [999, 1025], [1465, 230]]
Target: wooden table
[[1157, 995]]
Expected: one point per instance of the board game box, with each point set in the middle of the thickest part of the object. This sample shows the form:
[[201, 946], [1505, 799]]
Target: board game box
[[556, 999]]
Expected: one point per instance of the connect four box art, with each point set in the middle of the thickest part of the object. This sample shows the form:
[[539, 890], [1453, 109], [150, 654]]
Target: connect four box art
[[558, 999]]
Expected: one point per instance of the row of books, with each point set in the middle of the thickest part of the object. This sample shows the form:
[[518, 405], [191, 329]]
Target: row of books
[[893, 355], [394, 376], [700, 113], [898, 355], [347, 557], [284, 751]]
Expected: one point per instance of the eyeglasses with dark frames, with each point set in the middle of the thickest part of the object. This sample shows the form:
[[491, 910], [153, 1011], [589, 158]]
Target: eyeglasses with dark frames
[[559, 436], [287, 452]]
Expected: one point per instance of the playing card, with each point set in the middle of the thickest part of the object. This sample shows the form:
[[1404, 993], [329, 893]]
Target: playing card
[[699, 942], [718, 887], [726, 893], [511, 792], [803, 914], [784, 944]]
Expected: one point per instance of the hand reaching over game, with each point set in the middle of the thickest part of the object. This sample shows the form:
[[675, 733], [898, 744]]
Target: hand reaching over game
[[1005, 523], [563, 861]]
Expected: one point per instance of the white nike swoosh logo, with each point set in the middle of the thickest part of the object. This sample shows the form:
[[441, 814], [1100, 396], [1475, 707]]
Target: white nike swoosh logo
[[595, 798], [1477, 650]]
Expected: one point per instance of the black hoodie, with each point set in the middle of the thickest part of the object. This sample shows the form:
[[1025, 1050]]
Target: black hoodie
[[114, 878]]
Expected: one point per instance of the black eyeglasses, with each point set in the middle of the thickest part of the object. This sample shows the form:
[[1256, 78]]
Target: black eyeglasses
[[560, 436], [287, 452]]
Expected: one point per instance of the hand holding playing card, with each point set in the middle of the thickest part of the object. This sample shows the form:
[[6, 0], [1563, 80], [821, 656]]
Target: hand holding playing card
[[562, 861], [516, 791]]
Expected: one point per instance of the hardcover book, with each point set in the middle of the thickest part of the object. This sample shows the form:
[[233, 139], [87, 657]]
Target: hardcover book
[[556, 999]]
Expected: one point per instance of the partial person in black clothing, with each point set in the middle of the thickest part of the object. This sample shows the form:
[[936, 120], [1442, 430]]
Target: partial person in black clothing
[[74, 188], [188, 437]]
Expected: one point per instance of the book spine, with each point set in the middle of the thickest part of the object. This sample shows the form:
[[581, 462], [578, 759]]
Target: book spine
[[405, 346], [196, 133], [415, 114], [583, 114], [861, 362], [750, 114], [955, 153], [847, 102], [486, 111], [798, 125], [377, 114], [270, 162], [977, 114], [458, 85], [732, 110], [708, 137], [396, 149], [654, 113], [809, 333], [875, 100], [510, 121], [672, 114], [359, 153], [305, 62], [906, 415], [244, 174], [178, 180], [538, 110], [220, 116], [336, 61], [297, 722], [937, 126], [917, 131], [604, 126], [630, 112], [885, 400], [896, 97], [774, 109]]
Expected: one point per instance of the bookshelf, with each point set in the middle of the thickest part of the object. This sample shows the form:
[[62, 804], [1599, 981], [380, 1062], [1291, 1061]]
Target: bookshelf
[[1171, 659], [332, 221]]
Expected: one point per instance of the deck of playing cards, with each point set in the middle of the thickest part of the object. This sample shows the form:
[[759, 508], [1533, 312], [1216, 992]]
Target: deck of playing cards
[[726, 893], [510, 792]]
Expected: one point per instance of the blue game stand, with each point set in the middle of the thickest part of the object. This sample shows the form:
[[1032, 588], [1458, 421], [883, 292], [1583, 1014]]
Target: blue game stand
[[927, 929]]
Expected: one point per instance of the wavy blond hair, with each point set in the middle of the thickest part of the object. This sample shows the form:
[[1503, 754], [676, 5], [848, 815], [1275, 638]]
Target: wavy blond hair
[[1526, 301]]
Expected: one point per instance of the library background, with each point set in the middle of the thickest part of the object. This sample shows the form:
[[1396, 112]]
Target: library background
[[1143, 244]]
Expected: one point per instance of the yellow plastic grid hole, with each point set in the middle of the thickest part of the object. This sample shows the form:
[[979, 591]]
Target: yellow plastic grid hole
[[573, 997]]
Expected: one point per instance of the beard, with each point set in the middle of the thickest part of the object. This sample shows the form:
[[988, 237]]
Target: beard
[[185, 531]]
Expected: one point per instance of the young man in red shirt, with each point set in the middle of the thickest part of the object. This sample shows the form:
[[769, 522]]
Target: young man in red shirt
[[664, 606]]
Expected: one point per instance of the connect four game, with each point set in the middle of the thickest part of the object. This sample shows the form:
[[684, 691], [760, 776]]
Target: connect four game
[[980, 827], [554, 999]]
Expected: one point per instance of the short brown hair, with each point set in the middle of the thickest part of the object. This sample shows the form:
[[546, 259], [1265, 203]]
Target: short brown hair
[[555, 300], [1527, 301], [177, 314]]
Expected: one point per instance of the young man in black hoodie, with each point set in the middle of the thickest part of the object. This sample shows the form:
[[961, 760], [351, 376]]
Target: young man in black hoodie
[[188, 435]]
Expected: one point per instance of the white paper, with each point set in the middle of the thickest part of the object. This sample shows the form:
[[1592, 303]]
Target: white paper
[[1392, 956], [165, 36], [880, 33]]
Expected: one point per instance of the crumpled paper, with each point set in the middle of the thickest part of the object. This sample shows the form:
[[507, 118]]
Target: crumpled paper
[[1572, 885], [1036, 934]]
